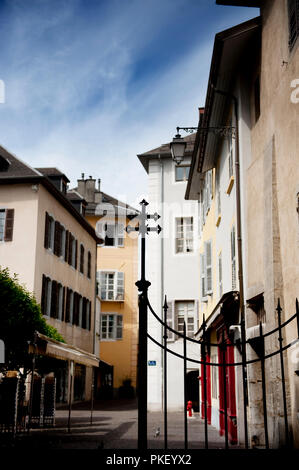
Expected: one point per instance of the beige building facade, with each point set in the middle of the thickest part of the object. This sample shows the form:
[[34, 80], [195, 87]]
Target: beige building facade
[[47, 242]]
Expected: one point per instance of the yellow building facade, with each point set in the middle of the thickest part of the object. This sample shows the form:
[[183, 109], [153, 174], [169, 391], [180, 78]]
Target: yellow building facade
[[117, 272]]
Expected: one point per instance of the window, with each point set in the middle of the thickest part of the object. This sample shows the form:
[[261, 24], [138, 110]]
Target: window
[[206, 271], [208, 262], [233, 257], [111, 326], [185, 313], [220, 283], [49, 232], [111, 285], [182, 172], [184, 235], [81, 259], [60, 302], [46, 295], [89, 265], [6, 224], [80, 311], [114, 235], [293, 11], [72, 250]]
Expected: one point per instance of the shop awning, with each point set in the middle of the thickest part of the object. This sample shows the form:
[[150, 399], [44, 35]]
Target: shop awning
[[49, 347]]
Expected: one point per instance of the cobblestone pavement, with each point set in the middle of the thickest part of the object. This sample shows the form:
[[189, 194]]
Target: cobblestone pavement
[[115, 427]]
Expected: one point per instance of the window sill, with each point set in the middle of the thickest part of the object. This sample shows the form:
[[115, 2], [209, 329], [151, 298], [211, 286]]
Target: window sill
[[218, 220], [230, 184]]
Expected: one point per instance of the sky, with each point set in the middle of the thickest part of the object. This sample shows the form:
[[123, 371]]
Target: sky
[[89, 84]]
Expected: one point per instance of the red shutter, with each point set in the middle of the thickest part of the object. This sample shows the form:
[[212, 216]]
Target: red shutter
[[9, 225]]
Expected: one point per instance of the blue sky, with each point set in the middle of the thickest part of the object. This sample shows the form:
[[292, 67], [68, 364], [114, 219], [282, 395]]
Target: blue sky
[[92, 83]]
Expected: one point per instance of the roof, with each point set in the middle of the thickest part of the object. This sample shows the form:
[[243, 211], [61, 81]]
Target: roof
[[73, 195], [19, 172], [164, 151], [229, 47], [52, 172]]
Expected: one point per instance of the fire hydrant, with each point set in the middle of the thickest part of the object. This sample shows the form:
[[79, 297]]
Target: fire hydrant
[[189, 408]]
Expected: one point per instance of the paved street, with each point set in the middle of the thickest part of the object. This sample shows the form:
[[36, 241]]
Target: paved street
[[115, 427]]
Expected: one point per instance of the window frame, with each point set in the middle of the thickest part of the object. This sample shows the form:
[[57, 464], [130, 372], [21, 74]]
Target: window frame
[[183, 235], [185, 175], [117, 326], [118, 289]]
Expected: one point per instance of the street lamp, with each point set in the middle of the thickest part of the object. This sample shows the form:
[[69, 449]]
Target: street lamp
[[177, 147]]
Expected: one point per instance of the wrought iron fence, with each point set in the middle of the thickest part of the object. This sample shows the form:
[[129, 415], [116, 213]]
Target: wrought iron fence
[[223, 365]]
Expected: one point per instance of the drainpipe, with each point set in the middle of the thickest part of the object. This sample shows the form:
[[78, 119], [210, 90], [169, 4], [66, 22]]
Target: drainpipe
[[240, 255], [162, 270]]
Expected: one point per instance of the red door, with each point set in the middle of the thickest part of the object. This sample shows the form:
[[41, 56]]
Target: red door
[[229, 381], [209, 397]]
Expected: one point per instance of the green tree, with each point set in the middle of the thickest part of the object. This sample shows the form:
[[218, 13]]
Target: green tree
[[20, 317]]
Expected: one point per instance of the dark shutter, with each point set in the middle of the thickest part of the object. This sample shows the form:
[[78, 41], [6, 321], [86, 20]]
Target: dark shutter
[[76, 254], [43, 302], [56, 238], [9, 225], [70, 248], [82, 259], [89, 315], [47, 226], [66, 254], [89, 265], [63, 304], [76, 309], [84, 313], [53, 312], [67, 305]]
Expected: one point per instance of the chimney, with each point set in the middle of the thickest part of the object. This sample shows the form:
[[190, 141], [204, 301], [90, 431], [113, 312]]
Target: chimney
[[201, 113], [81, 185], [90, 187]]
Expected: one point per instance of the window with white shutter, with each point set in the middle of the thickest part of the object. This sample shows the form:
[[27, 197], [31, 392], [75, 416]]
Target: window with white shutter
[[184, 235], [233, 257], [170, 320], [203, 291], [111, 326], [220, 284], [111, 285], [208, 262], [184, 311]]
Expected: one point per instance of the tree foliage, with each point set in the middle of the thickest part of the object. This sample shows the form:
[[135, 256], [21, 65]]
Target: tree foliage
[[20, 317]]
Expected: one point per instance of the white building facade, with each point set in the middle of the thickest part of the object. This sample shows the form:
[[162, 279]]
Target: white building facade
[[173, 270]]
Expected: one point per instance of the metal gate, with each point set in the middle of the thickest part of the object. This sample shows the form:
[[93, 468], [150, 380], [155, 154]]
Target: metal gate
[[223, 365]]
